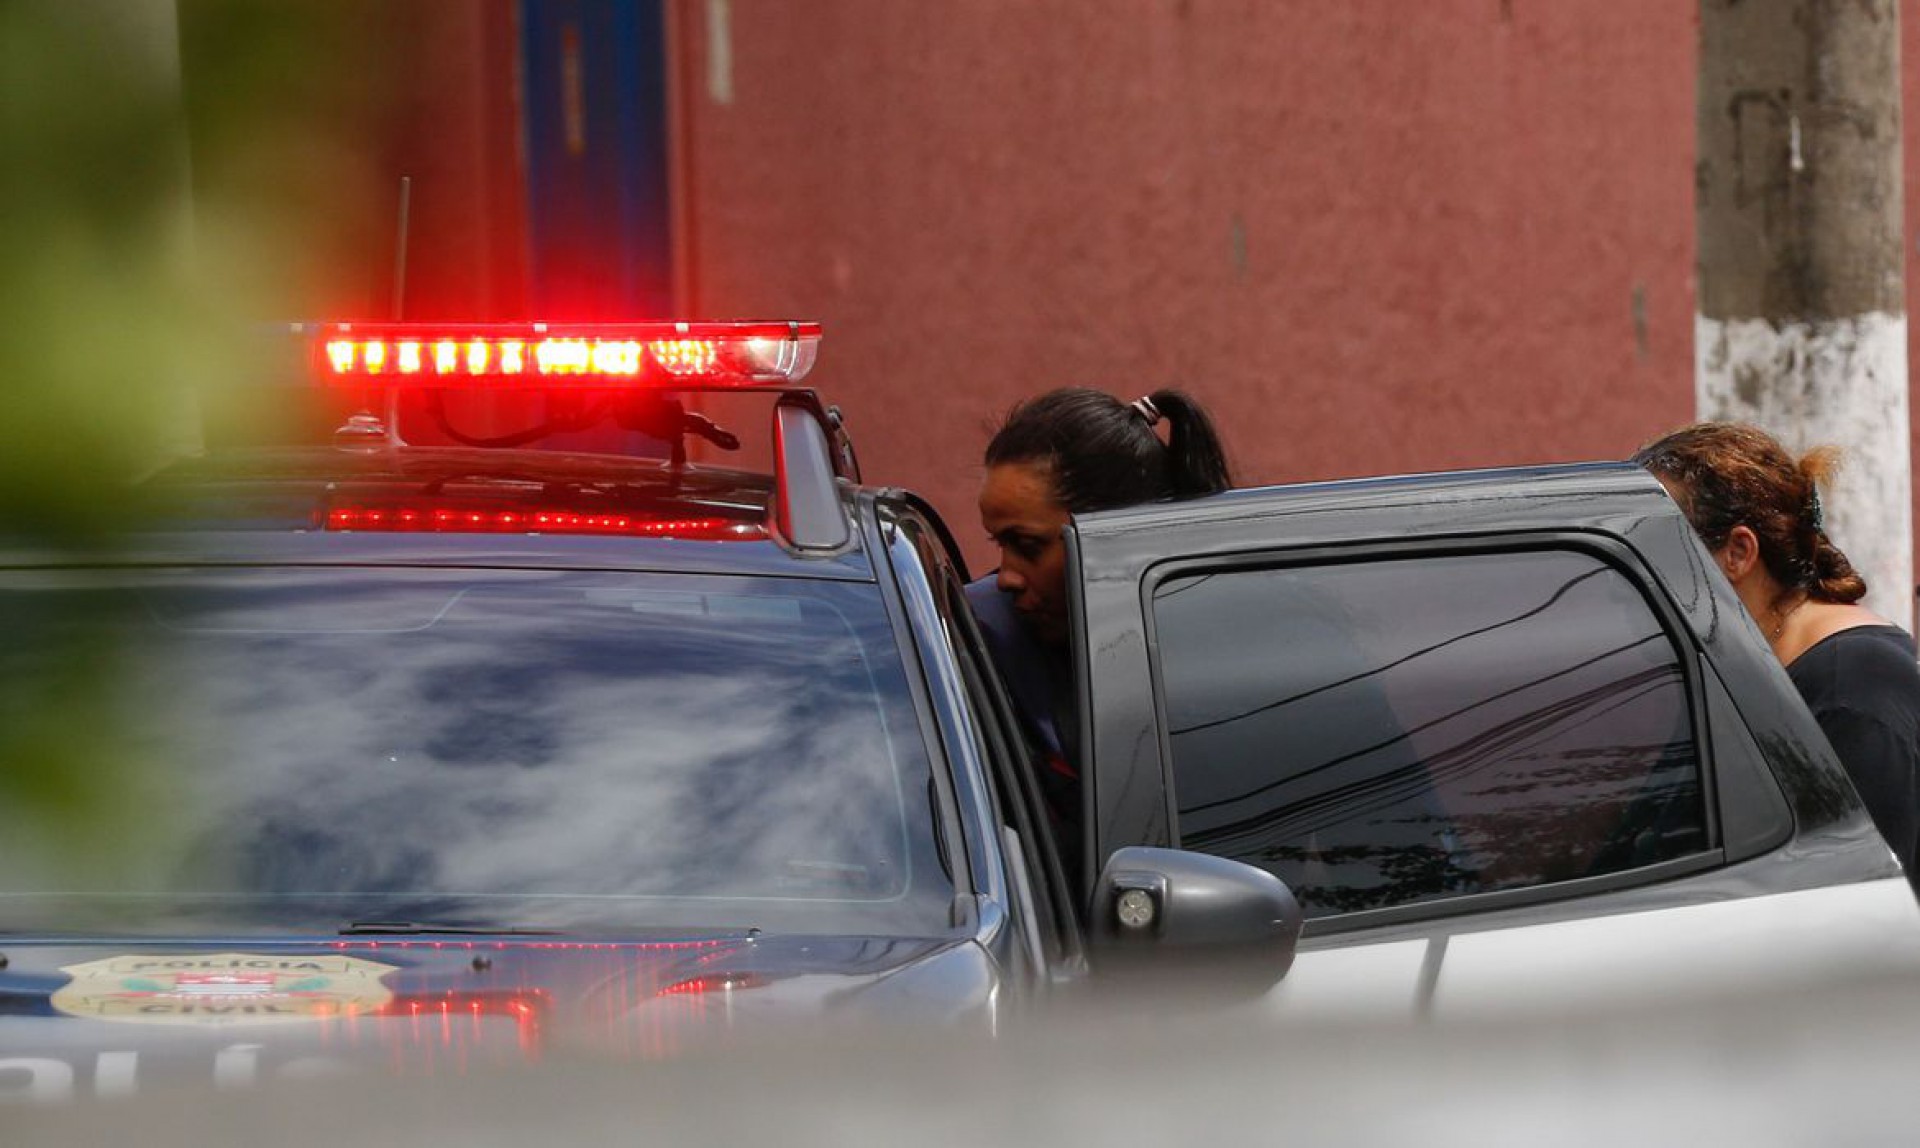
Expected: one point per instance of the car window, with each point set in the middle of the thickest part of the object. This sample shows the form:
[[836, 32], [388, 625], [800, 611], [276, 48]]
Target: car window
[[1021, 805], [551, 750], [1392, 731], [1010, 764]]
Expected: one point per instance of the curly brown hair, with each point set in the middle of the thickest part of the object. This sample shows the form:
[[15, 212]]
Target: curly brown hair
[[1730, 474]]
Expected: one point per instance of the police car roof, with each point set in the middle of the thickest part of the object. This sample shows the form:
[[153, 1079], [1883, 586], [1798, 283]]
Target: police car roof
[[460, 506]]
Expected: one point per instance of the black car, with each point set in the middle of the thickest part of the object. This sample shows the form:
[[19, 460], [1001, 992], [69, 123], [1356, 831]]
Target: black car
[[459, 753], [1508, 735]]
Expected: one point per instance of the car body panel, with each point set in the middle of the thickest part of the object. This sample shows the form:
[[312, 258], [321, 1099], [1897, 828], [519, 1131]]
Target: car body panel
[[1799, 881], [1748, 947], [272, 506], [109, 1017]]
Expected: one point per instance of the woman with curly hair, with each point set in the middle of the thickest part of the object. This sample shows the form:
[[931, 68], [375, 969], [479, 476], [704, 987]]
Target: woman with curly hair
[[1758, 510]]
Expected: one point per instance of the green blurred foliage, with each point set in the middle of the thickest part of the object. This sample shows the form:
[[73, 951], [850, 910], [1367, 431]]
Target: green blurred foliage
[[176, 177], [93, 220]]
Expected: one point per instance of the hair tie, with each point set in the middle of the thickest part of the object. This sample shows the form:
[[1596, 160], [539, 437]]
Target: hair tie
[[1143, 406], [1817, 512]]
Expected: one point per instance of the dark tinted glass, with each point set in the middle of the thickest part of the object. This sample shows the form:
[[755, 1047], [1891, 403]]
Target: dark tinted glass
[[1384, 732], [546, 750]]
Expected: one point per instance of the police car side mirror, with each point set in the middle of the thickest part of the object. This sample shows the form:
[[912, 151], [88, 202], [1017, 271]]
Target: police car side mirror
[[1168, 909]]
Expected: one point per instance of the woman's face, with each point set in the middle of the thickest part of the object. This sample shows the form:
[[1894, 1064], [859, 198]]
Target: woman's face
[[1018, 508]]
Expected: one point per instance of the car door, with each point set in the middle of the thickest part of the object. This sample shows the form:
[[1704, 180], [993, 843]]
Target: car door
[[1009, 827], [1467, 723]]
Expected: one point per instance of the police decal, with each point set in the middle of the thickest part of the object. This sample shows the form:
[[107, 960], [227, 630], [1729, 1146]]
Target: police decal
[[223, 988]]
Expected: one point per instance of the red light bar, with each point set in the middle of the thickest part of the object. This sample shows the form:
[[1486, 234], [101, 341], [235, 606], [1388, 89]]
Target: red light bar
[[540, 355], [475, 520], [498, 944]]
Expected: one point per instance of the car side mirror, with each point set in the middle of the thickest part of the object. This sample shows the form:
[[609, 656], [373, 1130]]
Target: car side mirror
[[1157, 909]]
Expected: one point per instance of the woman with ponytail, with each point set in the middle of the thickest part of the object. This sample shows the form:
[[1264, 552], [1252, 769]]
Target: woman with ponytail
[[1758, 510], [1067, 452]]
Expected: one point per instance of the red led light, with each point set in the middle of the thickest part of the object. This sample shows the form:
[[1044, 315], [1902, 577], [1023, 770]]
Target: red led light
[[685, 356], [615, 358], [622, 354], [561, 357], [463, 520]]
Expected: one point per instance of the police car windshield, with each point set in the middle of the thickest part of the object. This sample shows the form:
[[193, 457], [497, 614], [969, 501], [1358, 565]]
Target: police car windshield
[[574, 751]]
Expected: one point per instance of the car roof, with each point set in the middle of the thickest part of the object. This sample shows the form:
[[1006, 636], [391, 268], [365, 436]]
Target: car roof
[[1571, 496], [287, 505]]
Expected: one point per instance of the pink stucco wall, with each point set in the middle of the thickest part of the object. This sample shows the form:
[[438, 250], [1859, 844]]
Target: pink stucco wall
[[1372, 235]]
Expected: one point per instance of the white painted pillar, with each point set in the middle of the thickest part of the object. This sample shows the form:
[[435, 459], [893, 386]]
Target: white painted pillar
[[1802, 306], [1841, 381]]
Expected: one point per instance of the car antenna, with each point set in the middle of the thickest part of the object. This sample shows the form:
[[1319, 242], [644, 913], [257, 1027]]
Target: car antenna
[[400, 251], [401, 234]]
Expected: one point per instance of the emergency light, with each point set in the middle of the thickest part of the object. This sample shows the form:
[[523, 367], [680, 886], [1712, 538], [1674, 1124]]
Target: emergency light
[[812, 455], [412, 518], [541, 355]]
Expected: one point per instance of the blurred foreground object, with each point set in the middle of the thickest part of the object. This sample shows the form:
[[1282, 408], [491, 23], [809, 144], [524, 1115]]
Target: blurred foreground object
[[129, 309], [1824, 1067]]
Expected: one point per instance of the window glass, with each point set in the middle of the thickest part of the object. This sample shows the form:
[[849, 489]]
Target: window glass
[[553, 750], [1385, 732]]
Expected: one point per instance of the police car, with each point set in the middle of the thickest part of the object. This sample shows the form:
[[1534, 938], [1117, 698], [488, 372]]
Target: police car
[[460, 753], [474, 750]]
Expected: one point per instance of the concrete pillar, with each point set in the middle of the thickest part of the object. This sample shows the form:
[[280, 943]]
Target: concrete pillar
[[1802, 311]]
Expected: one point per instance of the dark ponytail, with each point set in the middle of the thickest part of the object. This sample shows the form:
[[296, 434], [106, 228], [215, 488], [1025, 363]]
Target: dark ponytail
[[1196, 460], [1104, 453]]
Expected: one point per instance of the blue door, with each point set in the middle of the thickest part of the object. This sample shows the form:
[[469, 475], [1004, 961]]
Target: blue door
[[594, 111]]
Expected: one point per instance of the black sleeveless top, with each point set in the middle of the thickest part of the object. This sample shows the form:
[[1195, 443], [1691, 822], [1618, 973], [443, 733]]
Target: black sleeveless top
[[1863, 687]]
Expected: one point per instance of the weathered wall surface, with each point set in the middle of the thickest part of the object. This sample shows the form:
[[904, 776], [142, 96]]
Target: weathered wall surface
[[1799, 218], [455, 137], [1910, 125], [1374, 235]]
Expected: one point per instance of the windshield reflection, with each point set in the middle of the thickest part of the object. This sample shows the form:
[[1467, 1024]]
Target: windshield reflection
[[530, 749]]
